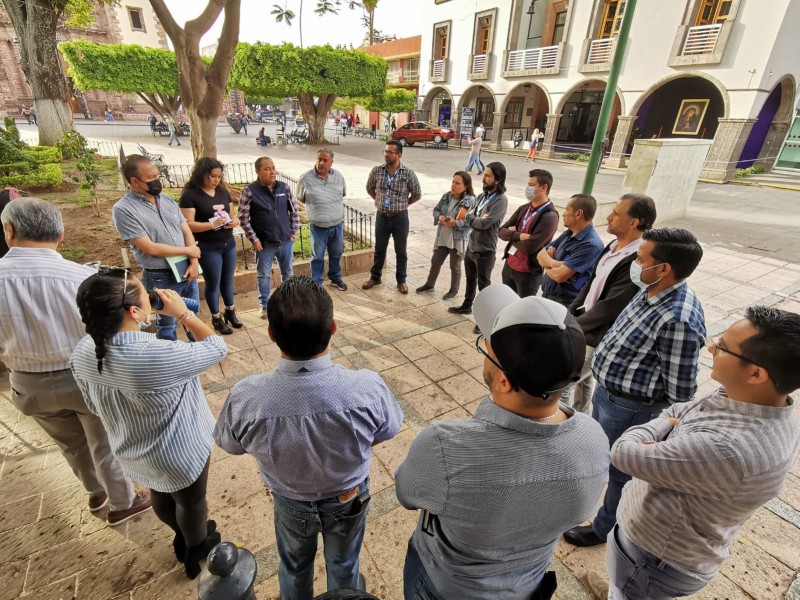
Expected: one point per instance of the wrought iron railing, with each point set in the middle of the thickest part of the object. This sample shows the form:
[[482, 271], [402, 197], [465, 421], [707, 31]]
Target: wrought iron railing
[[104, 147], [357, 233], [238, 173]]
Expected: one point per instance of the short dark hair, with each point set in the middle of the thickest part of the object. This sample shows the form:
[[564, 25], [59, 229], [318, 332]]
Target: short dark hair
[[776, 346], [676, 247], [300, 315], [260, 160], [643, 208], [586, 203], [130, 168], [397, 145], [203, 167], [543, 177]]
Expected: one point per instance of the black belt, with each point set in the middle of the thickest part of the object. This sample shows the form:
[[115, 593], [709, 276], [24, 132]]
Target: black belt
[[158, 270], [642, 399], [392, 214]]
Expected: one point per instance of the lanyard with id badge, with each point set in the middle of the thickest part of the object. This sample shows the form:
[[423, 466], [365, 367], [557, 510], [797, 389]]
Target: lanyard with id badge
[[525, 220], [386, 198]]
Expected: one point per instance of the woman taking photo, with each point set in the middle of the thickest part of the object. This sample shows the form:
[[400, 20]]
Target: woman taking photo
[[451, 236], [147, 393], [206, 205]]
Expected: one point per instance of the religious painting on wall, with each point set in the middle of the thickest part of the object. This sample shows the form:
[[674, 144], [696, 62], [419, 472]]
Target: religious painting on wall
[[690, 117]]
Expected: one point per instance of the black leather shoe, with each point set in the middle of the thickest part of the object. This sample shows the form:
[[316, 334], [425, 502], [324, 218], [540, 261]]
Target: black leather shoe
[[231, 318], [583, 536], [220, 326], [464, 309]]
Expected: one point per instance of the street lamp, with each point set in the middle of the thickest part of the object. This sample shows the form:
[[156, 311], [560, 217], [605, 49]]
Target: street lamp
[[532, 8]]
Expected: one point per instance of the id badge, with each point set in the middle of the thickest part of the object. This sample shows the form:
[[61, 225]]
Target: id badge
[[386, 202], [512, 250]]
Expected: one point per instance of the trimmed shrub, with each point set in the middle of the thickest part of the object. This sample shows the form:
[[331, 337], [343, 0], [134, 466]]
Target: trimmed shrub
[[17, 168], [42, 154], [47, 175]]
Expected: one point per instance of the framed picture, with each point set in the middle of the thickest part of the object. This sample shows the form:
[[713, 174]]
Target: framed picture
[[690, 116]]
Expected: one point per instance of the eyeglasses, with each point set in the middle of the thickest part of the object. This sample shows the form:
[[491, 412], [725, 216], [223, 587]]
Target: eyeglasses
[[389, 152], [718, 344], [481, 341]]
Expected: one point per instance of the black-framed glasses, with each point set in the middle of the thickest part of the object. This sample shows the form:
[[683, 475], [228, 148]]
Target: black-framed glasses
[[718, 344], [482, 341], [390, 152]]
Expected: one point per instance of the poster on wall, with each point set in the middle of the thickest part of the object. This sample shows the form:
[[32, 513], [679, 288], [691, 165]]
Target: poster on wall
[[690, 116], [467, 121]]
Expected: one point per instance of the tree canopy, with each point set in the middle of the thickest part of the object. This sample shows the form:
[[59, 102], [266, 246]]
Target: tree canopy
[[395, 100]]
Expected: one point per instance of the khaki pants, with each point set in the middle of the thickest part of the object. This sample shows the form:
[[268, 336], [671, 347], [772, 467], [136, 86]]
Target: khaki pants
[[55, 402]]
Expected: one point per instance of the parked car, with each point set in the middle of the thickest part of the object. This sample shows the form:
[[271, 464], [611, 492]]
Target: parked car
[[418, 131]]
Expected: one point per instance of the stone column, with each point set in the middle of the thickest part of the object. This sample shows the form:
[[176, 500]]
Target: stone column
[[550, 132], [497, 131], [620, 143], [727, 147], [772, 146]]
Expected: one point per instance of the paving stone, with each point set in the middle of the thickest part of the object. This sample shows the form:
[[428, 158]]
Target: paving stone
[[415, 348], [774, 535], [12, 577], [790, 493], [355, 334], [756, 572], [247, 521], [241, 364], [125, 572], [38, 536], [59, 590], [431, 401], [19, 513], [67, 498], [442, 340], [405, 378], [387, 541], [381, 358], [392, 452], [438, 367], [174, 584], [722, 588]]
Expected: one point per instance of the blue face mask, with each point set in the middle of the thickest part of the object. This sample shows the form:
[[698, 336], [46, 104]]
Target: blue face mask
[[143, 325], [636, 275]]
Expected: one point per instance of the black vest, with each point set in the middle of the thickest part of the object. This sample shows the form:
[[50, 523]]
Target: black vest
[[271, 212]]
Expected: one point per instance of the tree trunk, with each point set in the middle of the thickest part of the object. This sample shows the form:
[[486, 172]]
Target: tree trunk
[[316, 114], [35, 23], [160, 103], [204, 134]]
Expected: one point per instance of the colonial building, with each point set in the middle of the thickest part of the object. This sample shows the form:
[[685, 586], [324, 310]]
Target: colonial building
[[716, 69], [403, 58], [133, 22]]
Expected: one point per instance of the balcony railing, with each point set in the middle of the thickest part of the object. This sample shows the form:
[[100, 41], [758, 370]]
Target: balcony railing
[[479, 63], [533, 58], [410, 76], [438, 68], [601, 51], [393, 77], [701, 39]]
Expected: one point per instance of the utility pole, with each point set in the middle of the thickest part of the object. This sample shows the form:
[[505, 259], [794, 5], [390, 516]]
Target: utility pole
[[608, 97]]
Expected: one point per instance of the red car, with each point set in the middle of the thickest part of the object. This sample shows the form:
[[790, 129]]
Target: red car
[[418, 131]]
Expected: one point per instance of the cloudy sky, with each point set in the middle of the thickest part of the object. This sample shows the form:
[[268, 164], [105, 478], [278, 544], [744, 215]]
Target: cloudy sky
[[391, 17]]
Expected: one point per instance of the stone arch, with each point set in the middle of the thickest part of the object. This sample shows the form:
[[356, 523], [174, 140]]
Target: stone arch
[[437, 105], [482, 98], [579, 108], [769, 130], [664, 80]]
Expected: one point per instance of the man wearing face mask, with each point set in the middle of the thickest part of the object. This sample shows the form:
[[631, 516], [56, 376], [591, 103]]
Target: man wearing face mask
[[151, 222], [648, 359], [529, 229]]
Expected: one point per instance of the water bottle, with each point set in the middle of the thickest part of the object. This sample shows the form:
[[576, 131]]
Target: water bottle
[[157, 303]]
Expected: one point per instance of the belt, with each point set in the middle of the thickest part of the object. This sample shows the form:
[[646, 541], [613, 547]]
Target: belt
[[41, 373], [392, 214], [158, 270], [642, 399]]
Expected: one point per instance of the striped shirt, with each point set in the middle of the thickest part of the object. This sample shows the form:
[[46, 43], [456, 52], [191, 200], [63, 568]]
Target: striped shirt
[[135, 216], [39, 319], [652, 349], [502, 488], [696, 486], [152, 406], [246, 200], [393, 192], [310, 425], [324, 198]]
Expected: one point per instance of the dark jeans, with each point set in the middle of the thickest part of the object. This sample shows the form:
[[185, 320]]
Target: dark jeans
[[331, 238], [185, 511], [616, 415], [525, 284], [219, 265], [417, 585], [478, 269], [165, 280], [395, 227], [297, 527], [437, 260]]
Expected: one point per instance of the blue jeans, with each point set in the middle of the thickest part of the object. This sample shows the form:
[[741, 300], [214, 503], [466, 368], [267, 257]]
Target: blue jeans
[[474, 160], [616, 415], [219, 265], [167, 326], [417, 584], [634, 573], [331, 238], [297, 527], [173, 136], [284, 253]]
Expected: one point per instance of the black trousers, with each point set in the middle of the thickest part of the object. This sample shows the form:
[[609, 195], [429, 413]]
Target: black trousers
[[395, 227], [186, 510], [525, 284], [478, 269]]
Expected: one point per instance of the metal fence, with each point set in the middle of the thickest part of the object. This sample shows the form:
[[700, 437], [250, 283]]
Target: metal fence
[[178, 175], [105, 148]]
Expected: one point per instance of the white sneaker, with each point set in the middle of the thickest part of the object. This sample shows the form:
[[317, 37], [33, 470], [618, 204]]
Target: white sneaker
[[263, 312]]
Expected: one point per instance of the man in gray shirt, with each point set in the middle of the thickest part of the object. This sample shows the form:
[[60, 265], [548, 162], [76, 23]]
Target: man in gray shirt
[[322, 190], [703, 467], [495, 491]]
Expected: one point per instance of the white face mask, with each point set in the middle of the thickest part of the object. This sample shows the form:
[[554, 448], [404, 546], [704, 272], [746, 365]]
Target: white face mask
[[530, 192], [636, 275], [143, 325]]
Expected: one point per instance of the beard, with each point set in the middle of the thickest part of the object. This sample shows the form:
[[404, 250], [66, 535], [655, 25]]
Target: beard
[[489, 188]]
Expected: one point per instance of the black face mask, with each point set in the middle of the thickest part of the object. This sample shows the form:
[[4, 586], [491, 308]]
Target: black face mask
[[154, 187]]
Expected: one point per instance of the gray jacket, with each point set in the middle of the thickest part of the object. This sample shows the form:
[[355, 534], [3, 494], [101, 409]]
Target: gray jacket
[[485, 222]]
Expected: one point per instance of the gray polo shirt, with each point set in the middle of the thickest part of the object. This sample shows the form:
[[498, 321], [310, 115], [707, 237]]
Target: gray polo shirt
[[135, 216], [324, 199], [502, 489]]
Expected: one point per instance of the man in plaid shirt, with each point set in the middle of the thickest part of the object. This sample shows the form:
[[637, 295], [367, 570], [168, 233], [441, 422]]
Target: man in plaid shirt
[[394, 187], [648, 360]]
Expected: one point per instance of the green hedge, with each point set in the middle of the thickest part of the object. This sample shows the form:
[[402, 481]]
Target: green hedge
[[15, 168], [42, 154], [48, 175]]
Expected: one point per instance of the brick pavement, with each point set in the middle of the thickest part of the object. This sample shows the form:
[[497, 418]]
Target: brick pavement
[[53, 547]]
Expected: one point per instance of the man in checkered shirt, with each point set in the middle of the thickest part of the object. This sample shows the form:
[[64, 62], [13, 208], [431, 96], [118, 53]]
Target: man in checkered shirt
[[648, 360]]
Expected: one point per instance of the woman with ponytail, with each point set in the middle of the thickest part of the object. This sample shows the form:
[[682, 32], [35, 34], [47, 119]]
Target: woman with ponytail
[[147, 393]]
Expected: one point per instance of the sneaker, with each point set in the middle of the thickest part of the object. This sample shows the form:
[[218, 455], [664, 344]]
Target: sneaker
[[476, 329], [262, 313], [97, 502], [340, 285], [141, 503]]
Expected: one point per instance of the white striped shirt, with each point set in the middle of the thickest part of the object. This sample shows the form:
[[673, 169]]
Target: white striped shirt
[[151, 403], [39, 319]]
